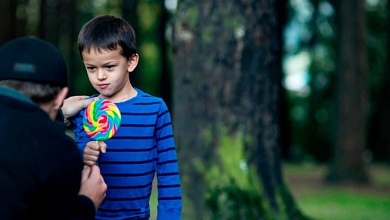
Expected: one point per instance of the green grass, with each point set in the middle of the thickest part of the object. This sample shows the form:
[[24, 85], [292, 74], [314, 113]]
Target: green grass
[[320, 201], [153, 201], [329, 202], [343, 205]]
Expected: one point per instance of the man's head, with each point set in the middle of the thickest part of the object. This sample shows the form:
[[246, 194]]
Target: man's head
[[36, 69], [107, 32], [34, 60]]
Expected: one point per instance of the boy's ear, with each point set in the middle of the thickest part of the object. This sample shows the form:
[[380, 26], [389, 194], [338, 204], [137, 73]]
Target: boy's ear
[[132, 62]]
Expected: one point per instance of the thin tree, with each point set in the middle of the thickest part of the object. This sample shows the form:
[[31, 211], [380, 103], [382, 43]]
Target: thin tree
[[379, 138], [8, 20], [350, 133], [129, 13]]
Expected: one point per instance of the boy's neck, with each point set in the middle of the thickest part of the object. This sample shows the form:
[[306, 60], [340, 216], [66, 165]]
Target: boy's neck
[[129, 94]]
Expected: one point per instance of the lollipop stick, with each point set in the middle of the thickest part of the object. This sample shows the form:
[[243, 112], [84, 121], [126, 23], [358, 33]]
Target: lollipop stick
[[97, 142]]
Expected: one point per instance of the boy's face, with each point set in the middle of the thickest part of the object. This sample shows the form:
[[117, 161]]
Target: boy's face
[[108, 72]]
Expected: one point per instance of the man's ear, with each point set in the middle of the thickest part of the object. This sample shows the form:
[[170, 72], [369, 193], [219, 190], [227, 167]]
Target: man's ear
[[60, 97], [132, 62]]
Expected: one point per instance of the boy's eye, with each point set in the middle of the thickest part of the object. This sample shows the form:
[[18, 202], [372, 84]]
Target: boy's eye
[[90, 68], [110, 67]]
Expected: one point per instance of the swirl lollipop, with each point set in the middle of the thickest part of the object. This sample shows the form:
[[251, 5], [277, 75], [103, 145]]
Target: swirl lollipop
[[102, 119]]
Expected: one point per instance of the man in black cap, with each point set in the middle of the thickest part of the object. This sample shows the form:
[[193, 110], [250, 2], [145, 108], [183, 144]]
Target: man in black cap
[[41, 171]]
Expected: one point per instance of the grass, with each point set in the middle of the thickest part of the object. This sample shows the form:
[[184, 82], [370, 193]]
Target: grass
[[320, 201], [329, 202]]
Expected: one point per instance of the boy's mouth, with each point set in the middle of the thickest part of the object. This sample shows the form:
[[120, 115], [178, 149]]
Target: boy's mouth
[[103, 86]]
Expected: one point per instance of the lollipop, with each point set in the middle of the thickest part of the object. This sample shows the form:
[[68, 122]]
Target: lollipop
[[102, 119]]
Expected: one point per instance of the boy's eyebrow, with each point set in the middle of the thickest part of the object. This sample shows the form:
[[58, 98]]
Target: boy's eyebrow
[[111, 62], [88, 64]]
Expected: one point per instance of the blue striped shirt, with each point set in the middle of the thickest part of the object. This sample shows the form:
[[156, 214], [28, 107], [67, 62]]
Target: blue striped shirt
[[142, 147]]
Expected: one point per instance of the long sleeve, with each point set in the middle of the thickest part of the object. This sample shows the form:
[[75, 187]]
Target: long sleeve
[[83, 208], [169, 191], [65, 181], [81, 137]]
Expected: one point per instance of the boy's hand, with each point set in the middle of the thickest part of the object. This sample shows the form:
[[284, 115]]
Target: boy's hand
[[92, 151]]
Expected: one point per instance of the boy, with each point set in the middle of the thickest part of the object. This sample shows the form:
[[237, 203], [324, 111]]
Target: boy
[[144, 142]]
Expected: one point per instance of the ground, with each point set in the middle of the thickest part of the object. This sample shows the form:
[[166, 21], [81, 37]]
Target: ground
[[320, 200]]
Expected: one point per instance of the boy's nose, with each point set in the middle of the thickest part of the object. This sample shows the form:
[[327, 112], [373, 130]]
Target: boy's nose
[[101, 75]]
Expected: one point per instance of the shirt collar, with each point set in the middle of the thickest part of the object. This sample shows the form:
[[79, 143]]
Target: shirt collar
[[15, 94]]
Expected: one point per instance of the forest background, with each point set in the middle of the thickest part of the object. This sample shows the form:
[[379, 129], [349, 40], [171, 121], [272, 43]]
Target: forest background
[[312, 80]]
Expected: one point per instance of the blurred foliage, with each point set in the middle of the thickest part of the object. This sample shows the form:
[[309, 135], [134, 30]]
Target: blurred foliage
[[150, 63], [310, 39], [309, 57]]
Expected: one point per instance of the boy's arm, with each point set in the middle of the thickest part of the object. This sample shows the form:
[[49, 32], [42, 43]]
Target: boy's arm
[[169, 190], [81, 137]]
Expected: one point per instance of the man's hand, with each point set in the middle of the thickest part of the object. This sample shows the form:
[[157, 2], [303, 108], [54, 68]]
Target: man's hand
[[74, 105], [93, 185], [92, 151]]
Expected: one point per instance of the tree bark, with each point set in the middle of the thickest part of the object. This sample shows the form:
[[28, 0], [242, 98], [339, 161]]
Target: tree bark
[[166, 70], [350, 136], [227, 109], [7, 21], [379, 138], [129, 13]]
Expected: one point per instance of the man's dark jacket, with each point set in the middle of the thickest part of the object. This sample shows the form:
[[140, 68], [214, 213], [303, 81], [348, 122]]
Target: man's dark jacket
[[40, 166]]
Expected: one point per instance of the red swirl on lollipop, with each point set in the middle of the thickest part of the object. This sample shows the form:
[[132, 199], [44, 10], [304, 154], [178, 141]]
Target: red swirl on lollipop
[[102, 119]]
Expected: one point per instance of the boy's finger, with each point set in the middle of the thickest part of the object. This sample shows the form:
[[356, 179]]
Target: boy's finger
[[102, 146], [103, 149]]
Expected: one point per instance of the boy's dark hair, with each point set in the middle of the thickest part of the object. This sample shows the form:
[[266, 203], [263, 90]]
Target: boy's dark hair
[[107, 32]]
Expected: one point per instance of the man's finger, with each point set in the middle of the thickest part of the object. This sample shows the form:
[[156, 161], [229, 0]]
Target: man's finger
[[81, 97], [86, 101], [85, 173], [95, 170]]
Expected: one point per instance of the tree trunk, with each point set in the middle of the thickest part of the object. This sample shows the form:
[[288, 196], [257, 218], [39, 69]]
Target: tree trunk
[[50, 27], [166, 70], [129, 13], [69, 21], [7, 21], [350, 137], [379, 138], [227, 104], [42, 27]]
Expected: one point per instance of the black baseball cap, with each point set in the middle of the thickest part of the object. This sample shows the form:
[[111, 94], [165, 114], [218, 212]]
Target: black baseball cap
[[34, 60]]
